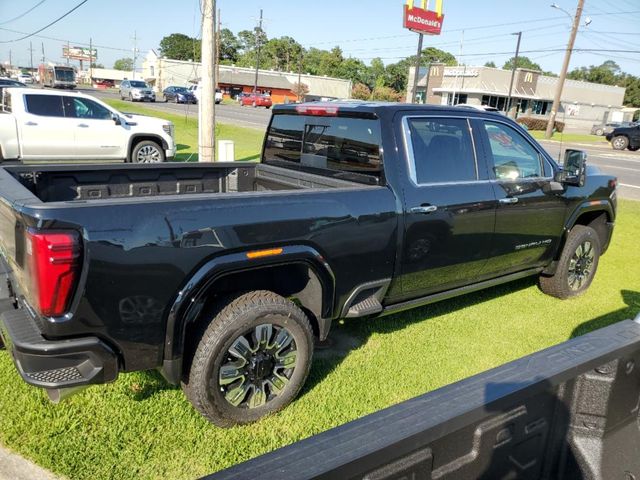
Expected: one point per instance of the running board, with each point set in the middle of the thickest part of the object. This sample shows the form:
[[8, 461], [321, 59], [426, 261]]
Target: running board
[[368, 306], [399, 307]]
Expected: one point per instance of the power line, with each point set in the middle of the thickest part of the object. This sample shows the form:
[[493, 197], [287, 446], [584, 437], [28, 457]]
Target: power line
[[48, 25], [63, 40], [24, 13]]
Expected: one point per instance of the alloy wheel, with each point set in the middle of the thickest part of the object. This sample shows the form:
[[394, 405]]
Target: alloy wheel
[[581, 265], [257, 366], [148, 154]]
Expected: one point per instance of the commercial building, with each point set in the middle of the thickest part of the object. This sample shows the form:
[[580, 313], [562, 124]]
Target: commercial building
[[162, 72], [582, 103]]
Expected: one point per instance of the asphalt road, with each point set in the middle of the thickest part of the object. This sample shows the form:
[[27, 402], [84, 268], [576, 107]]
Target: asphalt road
[[233, 114], [623, 164]]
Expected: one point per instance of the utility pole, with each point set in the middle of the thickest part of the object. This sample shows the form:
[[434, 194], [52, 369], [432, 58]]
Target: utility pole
[[299, 76], [417, 67], [513, 71], [42, 45], [218, 51], [206, 111], [135, 53], [90, 61], [30, 56], [68, 50], [258, 38], [563, 72]]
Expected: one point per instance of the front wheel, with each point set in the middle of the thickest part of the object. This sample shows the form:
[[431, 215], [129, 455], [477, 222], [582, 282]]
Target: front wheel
[[147, 151], [577, 264], [251, 361], [620, 142], [599, 132]]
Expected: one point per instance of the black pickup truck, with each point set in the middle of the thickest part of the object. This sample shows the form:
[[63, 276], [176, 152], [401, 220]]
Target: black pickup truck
[[222, 275]]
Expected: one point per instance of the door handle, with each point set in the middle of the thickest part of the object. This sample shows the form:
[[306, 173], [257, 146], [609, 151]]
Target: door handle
[[423, 209], [83, 125], [31, 124], [508, 200]]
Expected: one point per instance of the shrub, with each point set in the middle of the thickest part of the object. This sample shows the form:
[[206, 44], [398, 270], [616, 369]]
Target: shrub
[[361, 91], [539, 123]]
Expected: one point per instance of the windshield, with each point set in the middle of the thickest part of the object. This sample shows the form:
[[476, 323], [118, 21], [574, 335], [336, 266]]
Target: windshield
[[65, 75], [136, 84], [181, 89]]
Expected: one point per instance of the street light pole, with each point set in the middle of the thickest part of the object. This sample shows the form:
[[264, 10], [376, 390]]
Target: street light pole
[[565, 67], [513, 71], [417, 69], [258, 38]]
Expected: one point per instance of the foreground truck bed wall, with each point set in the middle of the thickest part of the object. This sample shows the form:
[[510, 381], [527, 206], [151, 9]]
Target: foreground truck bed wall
[[568, 412]]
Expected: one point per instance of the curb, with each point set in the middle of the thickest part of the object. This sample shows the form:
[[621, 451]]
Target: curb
[[15, 467]]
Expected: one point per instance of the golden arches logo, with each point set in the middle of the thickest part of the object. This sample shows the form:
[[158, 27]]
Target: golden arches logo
[[528, 77], [435, 71], [424, 5]]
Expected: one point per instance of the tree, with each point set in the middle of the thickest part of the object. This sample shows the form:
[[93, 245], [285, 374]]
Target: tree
[[125, 64], [385, 94], [178, 46], [229, 46], [490, 64], [353, 69], [283, 53], [361, 92], [300, 89], [97, 65], [523, 62]]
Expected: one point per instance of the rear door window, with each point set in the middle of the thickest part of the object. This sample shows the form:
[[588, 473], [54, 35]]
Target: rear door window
[[44, 105], [342, 145], [441, 150]]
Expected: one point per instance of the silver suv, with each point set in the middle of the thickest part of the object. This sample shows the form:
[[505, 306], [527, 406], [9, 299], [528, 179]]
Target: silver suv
[[136, 90]]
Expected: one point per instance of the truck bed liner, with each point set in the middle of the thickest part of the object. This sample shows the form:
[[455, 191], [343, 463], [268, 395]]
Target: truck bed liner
[[99, 182]]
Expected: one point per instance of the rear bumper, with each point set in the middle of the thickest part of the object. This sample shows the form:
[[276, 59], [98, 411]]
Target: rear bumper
[[54, 363]]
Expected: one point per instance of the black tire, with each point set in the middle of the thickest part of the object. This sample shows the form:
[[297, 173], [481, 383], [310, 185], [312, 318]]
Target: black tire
[[619, 142], [130, 98], [577, 264], [599, 132], [633, 149], [147, 151], [237, 324], [165, 99], [121, 96], [268, 107]]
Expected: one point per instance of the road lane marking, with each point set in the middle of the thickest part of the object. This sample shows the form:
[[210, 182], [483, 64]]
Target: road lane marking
[[617, 168], [627, 185]]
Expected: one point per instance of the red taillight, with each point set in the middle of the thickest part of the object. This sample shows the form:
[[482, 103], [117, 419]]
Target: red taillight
[[317, 111], [53, 259]]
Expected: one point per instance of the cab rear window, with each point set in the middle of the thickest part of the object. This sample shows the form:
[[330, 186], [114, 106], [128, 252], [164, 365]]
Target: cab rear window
[[343, 147]]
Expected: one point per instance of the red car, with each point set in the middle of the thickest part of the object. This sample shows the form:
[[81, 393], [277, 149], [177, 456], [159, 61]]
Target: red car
[[256, 100]]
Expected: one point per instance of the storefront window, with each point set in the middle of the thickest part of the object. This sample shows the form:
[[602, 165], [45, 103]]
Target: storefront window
[[460, 98]]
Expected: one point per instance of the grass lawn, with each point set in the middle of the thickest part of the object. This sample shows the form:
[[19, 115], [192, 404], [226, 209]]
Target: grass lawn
[[569, 137], [140, 427], [248, 141]]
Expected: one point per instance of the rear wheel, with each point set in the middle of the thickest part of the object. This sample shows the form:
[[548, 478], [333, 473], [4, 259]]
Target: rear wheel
[[147, 151], [251, 360], [620, 142], [599, 132], [577, 264]]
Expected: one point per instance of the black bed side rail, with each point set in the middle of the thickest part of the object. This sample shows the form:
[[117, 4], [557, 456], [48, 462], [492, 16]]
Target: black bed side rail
[[567, 412]]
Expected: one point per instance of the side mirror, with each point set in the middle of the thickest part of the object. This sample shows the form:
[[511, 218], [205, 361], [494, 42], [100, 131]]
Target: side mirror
[[574, 167], [116, 119]]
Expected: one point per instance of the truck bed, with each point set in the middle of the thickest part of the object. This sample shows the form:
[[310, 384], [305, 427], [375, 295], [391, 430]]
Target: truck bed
[[64, 183]]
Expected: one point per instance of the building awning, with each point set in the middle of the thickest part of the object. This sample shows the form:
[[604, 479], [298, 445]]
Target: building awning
[[265, 80], [515, 93]]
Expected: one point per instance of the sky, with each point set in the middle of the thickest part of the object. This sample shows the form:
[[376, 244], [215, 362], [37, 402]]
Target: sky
[[474, 31]]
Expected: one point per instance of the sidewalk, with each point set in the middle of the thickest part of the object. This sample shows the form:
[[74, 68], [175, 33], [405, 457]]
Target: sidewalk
[[14, 467]]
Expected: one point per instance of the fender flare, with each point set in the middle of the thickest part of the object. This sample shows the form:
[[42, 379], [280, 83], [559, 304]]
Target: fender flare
[[187, 304]]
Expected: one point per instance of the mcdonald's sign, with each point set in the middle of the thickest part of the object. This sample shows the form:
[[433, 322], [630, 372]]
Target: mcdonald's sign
[[423, 20], [528, 77]]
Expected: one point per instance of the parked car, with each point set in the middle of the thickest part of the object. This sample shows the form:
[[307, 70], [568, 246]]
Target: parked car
[[179, 95], [51, 125], [605, 128], [625, 137], [197, 88], [256, 100], [136, 90], [105, 83], [221, 275], [25, 78]]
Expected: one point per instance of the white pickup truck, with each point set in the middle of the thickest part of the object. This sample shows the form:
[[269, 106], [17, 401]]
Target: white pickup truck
[[52, 125]]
